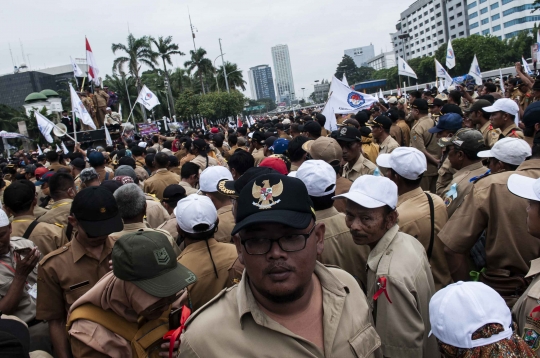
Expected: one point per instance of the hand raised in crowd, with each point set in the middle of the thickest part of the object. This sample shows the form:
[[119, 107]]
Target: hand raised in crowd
[[25, 265]]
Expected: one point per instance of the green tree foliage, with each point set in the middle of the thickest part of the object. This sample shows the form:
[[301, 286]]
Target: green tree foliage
[[234, 76], [348, 67], [165, 49], [137, 52], [214, 105], [203, 65]]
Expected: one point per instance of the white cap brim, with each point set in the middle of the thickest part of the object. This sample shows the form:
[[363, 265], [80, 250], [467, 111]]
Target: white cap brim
[[491, 109], [522, 186], [485, 153], [361, 199], [383, 160]]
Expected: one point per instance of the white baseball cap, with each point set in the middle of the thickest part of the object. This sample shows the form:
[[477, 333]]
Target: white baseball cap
[[318, 176], [508, 150], [503, 105], [408, 162], [286, 121], [460, 309], [211, 176], [142, 144], [525, 187], [372, 192], [194, 210], [4, 220]]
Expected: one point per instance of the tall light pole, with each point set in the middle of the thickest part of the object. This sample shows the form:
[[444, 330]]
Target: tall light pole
[[217, 86], [224, 71], [303, 94]]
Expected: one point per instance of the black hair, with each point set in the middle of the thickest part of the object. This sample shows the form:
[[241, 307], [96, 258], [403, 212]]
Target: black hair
[[129, 161], [59, 183], [162, 160], [137, 151], [490, 87], [155, 139], [189, 169], [241, 161], [233, 140], [218, 140], [168, 144], [149, 160], [456, 96], [322, 202], [173, 161], [295, 151], [12, 201], [321, 118], [402, 114], [51, 156]]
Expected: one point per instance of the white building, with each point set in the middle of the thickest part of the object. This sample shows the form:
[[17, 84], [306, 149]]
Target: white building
[[282, 67], [501, 18], [361, 55], [47, 98], [384, 60]]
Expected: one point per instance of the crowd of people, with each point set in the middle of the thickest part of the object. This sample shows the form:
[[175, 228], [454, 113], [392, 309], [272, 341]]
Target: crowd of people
[[413, 230]]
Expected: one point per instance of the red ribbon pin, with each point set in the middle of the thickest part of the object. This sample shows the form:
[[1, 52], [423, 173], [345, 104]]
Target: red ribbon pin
[[381, 282]]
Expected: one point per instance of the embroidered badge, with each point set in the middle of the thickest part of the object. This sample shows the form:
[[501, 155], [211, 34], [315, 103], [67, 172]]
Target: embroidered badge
[[266, 194], [162, 257], [531, 337]]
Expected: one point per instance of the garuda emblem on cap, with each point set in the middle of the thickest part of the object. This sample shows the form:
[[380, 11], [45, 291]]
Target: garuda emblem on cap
[[266, 194]]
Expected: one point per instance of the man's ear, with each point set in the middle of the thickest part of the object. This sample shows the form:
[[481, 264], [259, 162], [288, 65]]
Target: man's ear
[[239, 250]]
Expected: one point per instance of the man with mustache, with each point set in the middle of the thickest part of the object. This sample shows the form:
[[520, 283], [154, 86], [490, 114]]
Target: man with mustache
[[286, 304], [399, 279]]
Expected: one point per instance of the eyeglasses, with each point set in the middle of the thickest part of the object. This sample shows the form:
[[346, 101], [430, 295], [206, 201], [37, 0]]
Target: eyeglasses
[[287, 243]]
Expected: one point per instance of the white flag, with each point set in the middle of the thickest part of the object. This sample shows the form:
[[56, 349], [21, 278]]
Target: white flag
[[108, 139], [66, 151], [58, 148], [120, 111], [147, 98], [78, 109], [404, 69], [344, 80], [76, 69], [450, 56], [328, 112], [538, 41], [40, 152], [501, 82], [381, 96], [475, 71], [45, 126], [440, 72], [526, 66], [93, 71], [345, 100]]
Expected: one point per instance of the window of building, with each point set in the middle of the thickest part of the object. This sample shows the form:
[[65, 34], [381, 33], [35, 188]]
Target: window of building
[[420, 24], [439, 23], [521, 21], [441, 41], [427, 37], [473, 25], [496, 28], [450, 8], [485, 21], [440, 32], [459, 14], [483, 11], [460, 24], [431, 10], [496, 17], [471, 5], [417, 42], [461, 33], [518, 9], [429, 46], [432, 18], [437, 6], [473, 15], [433, 27], [409, 23], [453, 36], [423, 48], [438, 14], [504, 2], [458, 5], [452, 27], [482, 1], [485, 32], [451, 18], [419, 16], [421, 32], [425, 22], [416, 27], [425, 13], [494, 6]]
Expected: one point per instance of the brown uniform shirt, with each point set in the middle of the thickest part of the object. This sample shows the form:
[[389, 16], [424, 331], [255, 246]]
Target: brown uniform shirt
[[47, 237], [422, 140], [490, 206], [55, 166], [491, 135], [239, 328], [403, 325], [160, 180], [529, 300], [396, 133], [362, 167], [258, 155], [226, 224], [512, 131], [170, 226], [197, 258], [58, 214], [201, 162], [415, 220], [406, 131], [155, 212], [388, 145], [446, 172], [339, 247], [463, 186], [343, 185], [130, 228], [65, 275]]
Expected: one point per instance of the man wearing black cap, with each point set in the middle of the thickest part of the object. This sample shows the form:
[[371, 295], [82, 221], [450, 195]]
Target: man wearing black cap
[[282, 131], [256, 147], [283, 299], [381, 133], [435, 108], [171, 195], [356, 164], [531, 121], [69, 272], [425, 142], [480, 120], [312, 130]]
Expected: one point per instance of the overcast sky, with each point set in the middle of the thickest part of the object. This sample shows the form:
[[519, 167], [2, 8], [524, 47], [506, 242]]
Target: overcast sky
[[316, 31]]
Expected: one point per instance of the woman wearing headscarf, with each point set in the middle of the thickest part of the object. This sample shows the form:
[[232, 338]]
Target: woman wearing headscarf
[[200, 149]]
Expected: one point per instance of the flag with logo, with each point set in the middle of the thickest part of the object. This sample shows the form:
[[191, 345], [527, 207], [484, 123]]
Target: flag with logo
[[441, 73], [404, 69], [526, 66], [77, 72], [45, 126], [450, 56], [147, 98], [475, 71], [78, 109], [345, 100], [93, 71]]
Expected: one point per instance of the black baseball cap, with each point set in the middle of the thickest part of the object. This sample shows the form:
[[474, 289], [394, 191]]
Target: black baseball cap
[[349, 134], [97, 212], [78, 163], [383, 121], [147, 259], [233, 188], [313, 127], [451, 108], [274, 198], [437, 102], [531, 116], [19, 194], [420, 104], [269, 141], [174, 193], [258, 137]]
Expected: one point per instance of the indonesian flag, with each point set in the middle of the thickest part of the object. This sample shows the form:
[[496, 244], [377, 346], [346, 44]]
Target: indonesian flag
[[239, 121], [93, 71]]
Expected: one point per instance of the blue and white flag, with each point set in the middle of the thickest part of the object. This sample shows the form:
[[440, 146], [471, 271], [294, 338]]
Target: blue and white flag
[[345, 100], [79, 110], [441, 73], [45, 126], [147, 98], [404, 69], [475, 71], [526, 66], [450, 56]]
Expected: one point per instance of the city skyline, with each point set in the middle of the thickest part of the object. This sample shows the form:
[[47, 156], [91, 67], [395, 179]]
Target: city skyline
[[284, 77], [261, 82]]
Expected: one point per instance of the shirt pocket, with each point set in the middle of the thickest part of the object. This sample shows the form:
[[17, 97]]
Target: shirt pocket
[[365, 342], [75, 294]]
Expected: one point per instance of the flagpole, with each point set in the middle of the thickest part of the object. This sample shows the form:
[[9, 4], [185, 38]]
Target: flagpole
[[127, 120]]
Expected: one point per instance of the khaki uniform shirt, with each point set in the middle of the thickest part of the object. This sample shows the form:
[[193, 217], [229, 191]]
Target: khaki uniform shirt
[[160, 180], [239, 328], [512, 131], [201, 162], [55, 166], [396, 134], [65, 275], [422, 140], [415, 220], [101, 98], [343, 185], [403, 325], [370, 149], [131, 228], [226, 224], [155, 212], [388, 145], [258, 155], [406, 131], [189, 189], [529, 300], [170, 226], [26, 310], [39, 211], [446, 172], [490, 206], [339, 247], [197, 258], [58, 214], [491, 135], [463, 186], [47, 237], [362, 167], [113, 118]]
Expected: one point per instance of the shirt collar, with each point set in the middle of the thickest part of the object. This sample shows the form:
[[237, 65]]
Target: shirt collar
[[224, 209], [376, 254], [197, 246], [134, 226], [529, 164], [161, 170], [469, 168], [79, 251], [409, 195], [326, 213], [359, 163], [385, 142], [485, 126]]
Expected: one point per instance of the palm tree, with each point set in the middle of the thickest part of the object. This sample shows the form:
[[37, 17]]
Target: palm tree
[[181, 81], [234, 76], [203, 65], [165, 49]]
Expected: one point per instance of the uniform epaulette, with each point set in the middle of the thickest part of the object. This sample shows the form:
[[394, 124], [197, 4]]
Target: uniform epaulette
[[477, 178], [55, 253], [153, 196], [59, 225], [209, 303]]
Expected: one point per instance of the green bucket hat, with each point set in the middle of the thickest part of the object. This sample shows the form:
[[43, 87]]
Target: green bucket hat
[[147, 259]]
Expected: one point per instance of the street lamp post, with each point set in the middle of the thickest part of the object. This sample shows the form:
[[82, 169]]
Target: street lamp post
[[303, 94], [217, 86], [224, 71]]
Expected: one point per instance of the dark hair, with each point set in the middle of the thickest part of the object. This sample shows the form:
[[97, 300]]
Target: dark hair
[[51, 156], [173, 161], [321, 118], [218, 140], [402, 114], [137, 151], [149, 160], [188, 169], [456, 96], [469, 154], [167, 144], [487, 97], [241, 161], [12, 200], [294, 128], [129, 161], [162, 160], [322, 202], [233, 140], [409, 182], [59, 183], [295, 151], [155, 139], [490, 87]]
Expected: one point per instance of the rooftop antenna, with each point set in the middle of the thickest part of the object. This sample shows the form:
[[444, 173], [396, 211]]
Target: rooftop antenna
[[22, 50], [11, 53], [193, 30]]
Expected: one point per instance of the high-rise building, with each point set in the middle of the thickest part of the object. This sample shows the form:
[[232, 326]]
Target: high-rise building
[[361, 55], [503, 19], [284, 77], [384, 60], [261, 82]]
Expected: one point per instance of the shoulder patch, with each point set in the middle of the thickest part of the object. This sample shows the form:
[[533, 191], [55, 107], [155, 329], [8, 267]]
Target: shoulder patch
[[59, 225], [209, 303], [55, 253]]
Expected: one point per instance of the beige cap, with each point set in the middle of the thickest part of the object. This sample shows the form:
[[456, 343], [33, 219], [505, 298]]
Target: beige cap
[[324, 148]]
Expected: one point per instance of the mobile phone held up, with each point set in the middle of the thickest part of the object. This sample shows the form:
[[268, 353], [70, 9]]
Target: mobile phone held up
[[23, 251]]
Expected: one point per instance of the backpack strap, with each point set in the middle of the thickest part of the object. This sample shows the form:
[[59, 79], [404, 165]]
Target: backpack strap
[[29, 229], [432, 219], [106, 175]]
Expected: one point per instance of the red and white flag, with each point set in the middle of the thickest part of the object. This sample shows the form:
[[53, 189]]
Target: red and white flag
[[239, 122], [93, 71]]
